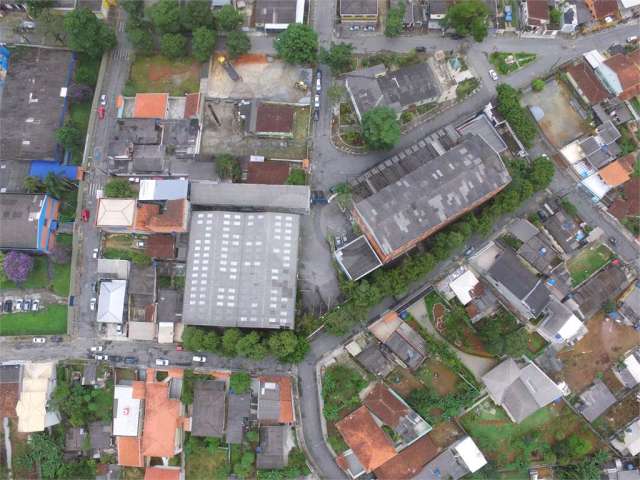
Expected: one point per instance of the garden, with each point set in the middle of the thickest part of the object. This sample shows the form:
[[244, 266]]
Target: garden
[[507, 62], [552, 435], [466, 87], [502, 335], [587, 262]]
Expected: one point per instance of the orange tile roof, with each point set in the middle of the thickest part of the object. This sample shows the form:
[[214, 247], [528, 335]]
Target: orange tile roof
[[176, 372], [191, 105], [614, 174], [150, 105], [139, 390], [162, 418], [385, 405], [630, 204], [286, 396], [367, 440], [162, 473], [628, 73], [409, 461], [129, 452], [172, 219]]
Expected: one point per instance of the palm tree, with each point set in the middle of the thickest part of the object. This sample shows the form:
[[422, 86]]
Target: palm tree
[[32, 184], [54, 185]]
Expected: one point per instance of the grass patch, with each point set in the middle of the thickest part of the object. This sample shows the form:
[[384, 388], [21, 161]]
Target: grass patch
[[635, 103], [508, 62], [48, 321], [64, 239], [340, 387], [38, 277], [138, 258], [61, 279], [427, 107], [159, 74], [588, 261], [391, 59], [164, 281], [467, 86], [301, 124], [515, 446]]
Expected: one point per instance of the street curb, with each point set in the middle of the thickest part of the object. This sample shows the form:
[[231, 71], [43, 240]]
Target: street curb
[[71, 312]]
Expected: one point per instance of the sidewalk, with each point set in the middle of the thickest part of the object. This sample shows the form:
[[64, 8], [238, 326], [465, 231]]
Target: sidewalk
[[477, 365]]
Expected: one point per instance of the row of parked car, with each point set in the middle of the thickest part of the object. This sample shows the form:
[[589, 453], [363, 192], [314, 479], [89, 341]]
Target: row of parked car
[[20, 305]]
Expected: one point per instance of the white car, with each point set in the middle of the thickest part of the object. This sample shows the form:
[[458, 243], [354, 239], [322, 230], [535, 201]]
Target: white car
[[199, 359], [316, 102], [35, 305], [39, 340], [319, 82], [92, 303], [162, 362], [632, 39], [101, 357], [95, 253], [493, 75], [119, 328], [97, 348], [18, 305], [103, 100]]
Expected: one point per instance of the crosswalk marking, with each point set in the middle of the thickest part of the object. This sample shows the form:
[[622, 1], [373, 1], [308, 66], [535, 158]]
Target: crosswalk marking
[[120, 54]]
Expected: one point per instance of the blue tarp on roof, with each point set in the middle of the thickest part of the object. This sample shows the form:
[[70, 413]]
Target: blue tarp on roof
[[40, 169]]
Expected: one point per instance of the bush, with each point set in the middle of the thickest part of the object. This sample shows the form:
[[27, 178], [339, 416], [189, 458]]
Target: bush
[[238, 43], [339, 57], [228, 167], [69, 136], [239, 382], [297, 176], [340, 388], [395, 19], [118, 188], [538, 85], [173, 45], [569, 207]]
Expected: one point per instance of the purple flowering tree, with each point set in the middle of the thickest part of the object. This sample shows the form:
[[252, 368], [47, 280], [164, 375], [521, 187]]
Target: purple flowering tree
[[17, 266]]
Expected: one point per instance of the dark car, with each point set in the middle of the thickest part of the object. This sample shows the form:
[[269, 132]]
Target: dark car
[[421, 49], [316, 115], [542, 215], [56, 339], [130, 360], [613, 241], [116, 358], [8, 306]]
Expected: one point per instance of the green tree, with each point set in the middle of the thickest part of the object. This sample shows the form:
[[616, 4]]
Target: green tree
[[244, 468], [395, 21], [537, 85], [251, 346], [519, 119], [240, 382], [516, 343], [86, 70], [380, 128], [230, 338], [238, 43], [556, 16], [118, 188], [32, 184], [140, 36], [298, 44], [297, 176], [55, 185], [193, 338], [541, 173], [69, 136], [87, 34], [228, 18], [203, 43], [572, 448], [211, 342], [44, 452], [37, 7], [173, 45], [196, 14], [468, 17], [339, 57], [228, 167], [134, 8], [166, 15]]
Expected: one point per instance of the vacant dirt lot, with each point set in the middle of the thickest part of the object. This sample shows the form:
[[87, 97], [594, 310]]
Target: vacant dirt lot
[[403, 382], [561, 123], [597, 351]]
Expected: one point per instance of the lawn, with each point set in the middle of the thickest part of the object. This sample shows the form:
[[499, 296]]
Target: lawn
[[508, 62], [51, 320], [61, 279], [587, 262], [38, 277], [515, 446], [64, 240], [618, 416], [159, 74], [301, 124]]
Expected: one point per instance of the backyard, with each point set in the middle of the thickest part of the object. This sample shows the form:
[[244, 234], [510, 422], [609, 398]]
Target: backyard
[[509, 62], [587, 262], [122, 246], [618, 416], [206, 459], [159, 74], [596, 352], [51, 320], [502, 334], [513, 447]]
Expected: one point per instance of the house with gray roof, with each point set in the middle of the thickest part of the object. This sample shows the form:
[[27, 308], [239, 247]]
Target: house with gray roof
[[565, 231], [605, 285], [399, 89], [629, 305], [208, 417], [238, 416], [408, 197], [520, 287], [628, 371], [375, 360], [275, 444], [357, 258], [595, 400], [520, 387], [459, 459]]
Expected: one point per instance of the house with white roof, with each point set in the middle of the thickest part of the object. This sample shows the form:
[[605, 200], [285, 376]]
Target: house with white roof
[[561, 325], [38, 383], [463, 287], [460, 459], [127, 417], [111, 301], [630, 443]]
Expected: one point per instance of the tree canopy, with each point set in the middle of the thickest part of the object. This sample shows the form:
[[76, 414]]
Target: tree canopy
[[167, 16], [380, 128], [196, 14], [17, 266], [118, 188], [86, 33], [202, 43], [238, 43], [517, 116], [173, 45], [240, 382], [228, 18], [69, 136], [468, 17], [395, 21], [298, 44], [36, 7], [228, 167], [339, 57]]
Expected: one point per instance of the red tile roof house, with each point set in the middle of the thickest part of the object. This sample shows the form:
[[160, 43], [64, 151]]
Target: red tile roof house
[[601, 9], [536, 13], [627, 69], [586, 84]]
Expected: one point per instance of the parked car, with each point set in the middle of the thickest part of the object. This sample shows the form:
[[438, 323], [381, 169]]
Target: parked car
[[140, 243], [97, 348], [316, 115], [316, 102], [542, 215], [39, 340], [18, 307], [26, 305], [116, 358], [35, 305], [92, 303], [101, 357], [318, 81], [130, 360], [85, 215], [103, 99], [8, 306], [199, 359], [162, 362], [95, 253], [613, 241], [56, 339], [179, 348], [493, 75], [421, 49], [101, 112], [119, 328], [632, 39]]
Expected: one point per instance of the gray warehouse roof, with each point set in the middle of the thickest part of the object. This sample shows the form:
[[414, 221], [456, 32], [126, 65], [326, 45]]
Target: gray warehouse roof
[[358, 7], [241, 270], [19, 216], [416, 193], [281, 198]]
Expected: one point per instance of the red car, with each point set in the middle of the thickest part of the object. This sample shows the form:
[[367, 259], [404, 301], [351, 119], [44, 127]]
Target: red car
[[85, 215], [101, 111], [179, 348]]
